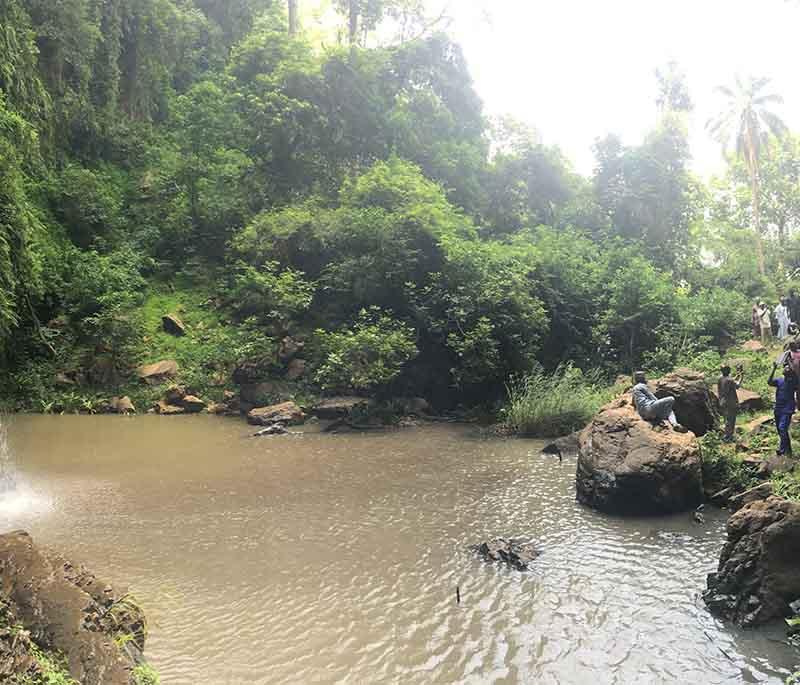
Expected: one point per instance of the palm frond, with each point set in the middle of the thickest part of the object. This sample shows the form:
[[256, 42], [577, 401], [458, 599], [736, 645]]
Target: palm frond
[[774, 123]]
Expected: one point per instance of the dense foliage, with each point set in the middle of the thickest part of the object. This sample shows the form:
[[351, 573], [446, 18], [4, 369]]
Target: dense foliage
[[350, 193]]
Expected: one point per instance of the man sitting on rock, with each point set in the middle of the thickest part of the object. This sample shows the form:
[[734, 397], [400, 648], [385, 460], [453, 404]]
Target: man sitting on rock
[[652, 409], [786, 391]]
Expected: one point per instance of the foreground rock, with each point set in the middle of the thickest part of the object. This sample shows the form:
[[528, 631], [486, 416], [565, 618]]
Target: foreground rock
[[565, 447], [696, 407], [67, 609], [759, 568], [512, 552], [627, 466], [286, 413], [158, 373]]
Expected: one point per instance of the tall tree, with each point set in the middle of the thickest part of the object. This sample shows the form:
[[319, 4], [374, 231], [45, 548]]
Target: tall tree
[[747, 118], [293, 9]]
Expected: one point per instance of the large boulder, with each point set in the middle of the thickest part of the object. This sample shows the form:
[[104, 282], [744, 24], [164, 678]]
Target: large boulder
[[335, 408], [696, 407], [65, 608], [158, 373], [286, 413], [759, 568], [748, 400], [628, 466]]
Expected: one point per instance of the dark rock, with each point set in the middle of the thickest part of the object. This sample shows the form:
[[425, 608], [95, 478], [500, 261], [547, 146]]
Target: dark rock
[[173, 325], [174, 395], [287, 413], [758, 572], [512, 552], [158, 373], [696, 407], [339, 407], [565, 447], [70, 610], [627, 466], [275, 429], [417, 406], [756, 494], [296, 369], [192, 404]]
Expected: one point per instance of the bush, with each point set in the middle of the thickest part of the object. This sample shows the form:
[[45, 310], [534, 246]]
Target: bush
[[550, 404], [368, 355], [721, 467]]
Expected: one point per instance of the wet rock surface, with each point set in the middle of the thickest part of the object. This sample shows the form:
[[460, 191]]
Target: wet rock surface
[[759, 569], [515, 553], [286, 413], [628, 466], [66, 608]]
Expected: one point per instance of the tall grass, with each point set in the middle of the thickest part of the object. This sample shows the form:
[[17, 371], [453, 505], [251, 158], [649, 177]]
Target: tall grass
[[543, 404]]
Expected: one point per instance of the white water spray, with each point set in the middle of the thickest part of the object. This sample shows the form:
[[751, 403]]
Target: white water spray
[[8, 480]]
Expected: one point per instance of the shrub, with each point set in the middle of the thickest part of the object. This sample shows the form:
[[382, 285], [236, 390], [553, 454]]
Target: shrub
[[545, 404], [721, 467], [144, 674], [368, 355], [270, 294]]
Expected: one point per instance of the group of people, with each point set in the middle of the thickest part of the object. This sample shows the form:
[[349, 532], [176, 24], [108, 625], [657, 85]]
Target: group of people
[[787, 399], [786, 316]]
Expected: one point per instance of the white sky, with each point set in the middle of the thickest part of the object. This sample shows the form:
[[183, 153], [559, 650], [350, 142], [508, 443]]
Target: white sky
[[579, 69]]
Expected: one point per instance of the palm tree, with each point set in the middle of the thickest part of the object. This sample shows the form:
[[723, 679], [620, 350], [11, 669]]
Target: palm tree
[[748, 119]]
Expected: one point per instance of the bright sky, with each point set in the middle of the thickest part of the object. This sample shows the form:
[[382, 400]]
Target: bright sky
[[579, 69]]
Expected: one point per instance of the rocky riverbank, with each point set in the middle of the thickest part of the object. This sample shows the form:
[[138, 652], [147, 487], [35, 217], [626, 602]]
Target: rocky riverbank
[[59, 622]]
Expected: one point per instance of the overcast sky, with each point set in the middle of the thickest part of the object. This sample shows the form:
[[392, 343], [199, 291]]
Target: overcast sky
[[579, 69]]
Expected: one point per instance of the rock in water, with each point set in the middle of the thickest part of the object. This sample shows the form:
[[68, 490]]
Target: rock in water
[[696, 407], [287, 413], [192, 404], [277, 429], [339, 407], [565, 447], [628, 466], [511, 552], [173, 325], [759, 568]]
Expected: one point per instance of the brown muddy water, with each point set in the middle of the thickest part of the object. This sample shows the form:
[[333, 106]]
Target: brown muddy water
[[335, 559]]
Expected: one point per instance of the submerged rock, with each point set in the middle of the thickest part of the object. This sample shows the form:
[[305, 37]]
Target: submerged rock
[[339, 407], [628, 466], [276, 429], [287, 413], [68, 609], [564, 447], [759, 572], [512, 552]]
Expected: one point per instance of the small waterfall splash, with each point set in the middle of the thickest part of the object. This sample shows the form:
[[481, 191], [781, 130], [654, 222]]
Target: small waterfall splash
[[8, 479]]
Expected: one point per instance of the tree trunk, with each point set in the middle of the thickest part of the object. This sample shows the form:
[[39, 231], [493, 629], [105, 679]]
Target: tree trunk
[[293, 17], [755, 188], [353, 23]]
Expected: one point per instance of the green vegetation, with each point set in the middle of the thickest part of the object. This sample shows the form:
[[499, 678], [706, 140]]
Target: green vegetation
[[247, 172], [144, 674], [552, 404]]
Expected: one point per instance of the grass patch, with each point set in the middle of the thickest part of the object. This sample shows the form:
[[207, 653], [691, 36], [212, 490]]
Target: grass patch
[[144, 674], [723, 466], [545, 404]]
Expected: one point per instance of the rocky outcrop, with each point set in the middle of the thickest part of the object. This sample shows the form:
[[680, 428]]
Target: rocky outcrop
[[696, 407], [286, 413], [628, 466], [512, 552], [67, 609], [335, 408], [158, 373], [172, 324], [758, 573]]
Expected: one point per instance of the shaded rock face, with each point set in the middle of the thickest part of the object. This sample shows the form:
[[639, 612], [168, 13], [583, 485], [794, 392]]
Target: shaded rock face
[[158, 373], [287, 413], [759, 568], [68, 609], [696, 407], [338, 407], [512, 552], [627, 466], [565, 447], [172, 324]]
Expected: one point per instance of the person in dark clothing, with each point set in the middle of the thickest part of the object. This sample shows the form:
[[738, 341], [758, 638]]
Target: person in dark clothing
[[786, 391], [729, 400], [794, 306]]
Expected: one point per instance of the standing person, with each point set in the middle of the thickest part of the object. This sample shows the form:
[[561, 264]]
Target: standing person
[[729, 399], [794, 306], [755, 319], [652, 409], [765, 323], [782, 315], [786, 389]]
